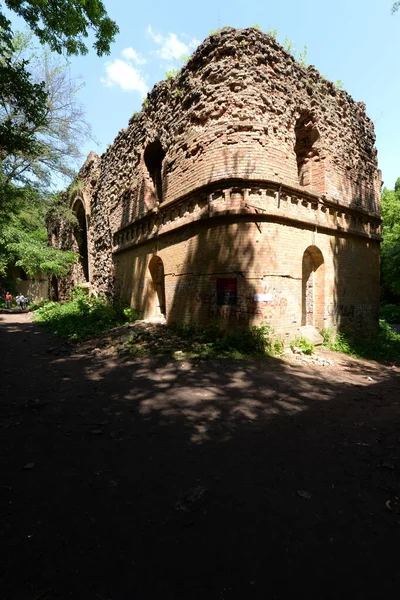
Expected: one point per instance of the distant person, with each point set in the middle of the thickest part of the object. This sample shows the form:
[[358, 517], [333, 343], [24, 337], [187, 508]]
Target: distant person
[[24, 302], [18, 300], [8, 299]]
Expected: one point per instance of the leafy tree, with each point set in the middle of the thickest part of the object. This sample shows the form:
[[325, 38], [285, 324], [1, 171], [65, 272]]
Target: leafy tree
[[23, 240], [395, 6], [62, 24], [390, 249], [55, 141]]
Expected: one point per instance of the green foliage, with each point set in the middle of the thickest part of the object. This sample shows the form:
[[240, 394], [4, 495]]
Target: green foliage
[[82, 317], [63, 25], [301, 342], [302, 57], [171, 74], [56, 140], [390, 248], [257, 26], [391, 313], [383, 345], [255, 341], [58, 210], [23, 240], [395, 7], [186, 340], [339, 84], [336, 341], [273, 33], [145, 102]]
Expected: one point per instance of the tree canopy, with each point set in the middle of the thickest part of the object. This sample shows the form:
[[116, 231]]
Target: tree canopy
[[65, 26], [23, 240], [54, 142], [390, 249]]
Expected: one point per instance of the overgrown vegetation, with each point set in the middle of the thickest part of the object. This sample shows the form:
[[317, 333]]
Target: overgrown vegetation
[[23, 240], [82, 317], [303, 344], [391, 313], [210, 342], [390, 248], [381, 346]]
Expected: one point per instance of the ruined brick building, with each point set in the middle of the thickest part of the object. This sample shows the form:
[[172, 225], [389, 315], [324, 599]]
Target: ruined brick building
[[246, 190]]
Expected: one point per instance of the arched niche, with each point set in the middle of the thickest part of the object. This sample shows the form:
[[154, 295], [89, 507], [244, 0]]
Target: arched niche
[[156, 268], [153, 158], [80, 239], [310, 167], [313, 288], [54, 294]]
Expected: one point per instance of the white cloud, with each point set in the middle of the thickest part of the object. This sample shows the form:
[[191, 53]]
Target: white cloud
[[131, 55], [121, 73], [172, 48], [156, 37]]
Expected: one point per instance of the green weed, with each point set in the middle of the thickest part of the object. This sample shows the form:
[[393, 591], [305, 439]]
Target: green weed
[[82, 317], [304, 345]]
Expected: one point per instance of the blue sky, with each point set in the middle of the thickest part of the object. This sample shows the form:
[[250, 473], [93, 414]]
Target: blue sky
[[355, 41]]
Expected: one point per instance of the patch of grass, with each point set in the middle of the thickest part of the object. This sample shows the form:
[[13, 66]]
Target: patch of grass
[[188, 341], [391, 313], [382, 345], [82, 317], [39, 304]]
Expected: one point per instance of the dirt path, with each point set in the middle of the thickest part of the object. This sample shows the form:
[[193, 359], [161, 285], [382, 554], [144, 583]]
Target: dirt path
[[153, 478]]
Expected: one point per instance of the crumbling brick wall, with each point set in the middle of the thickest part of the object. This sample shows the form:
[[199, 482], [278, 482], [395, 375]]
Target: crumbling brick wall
[[232, 170]]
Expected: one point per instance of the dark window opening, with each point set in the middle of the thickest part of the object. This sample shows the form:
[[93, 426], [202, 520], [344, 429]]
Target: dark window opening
[[153, 158], [306, 136], [54, 296], [226, 291], [80, 234], [54, 236]]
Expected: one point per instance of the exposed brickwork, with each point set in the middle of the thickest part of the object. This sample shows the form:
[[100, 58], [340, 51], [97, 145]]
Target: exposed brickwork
[[247, 167]]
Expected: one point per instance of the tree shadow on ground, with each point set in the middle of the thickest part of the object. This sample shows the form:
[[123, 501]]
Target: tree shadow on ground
[[203, 479]]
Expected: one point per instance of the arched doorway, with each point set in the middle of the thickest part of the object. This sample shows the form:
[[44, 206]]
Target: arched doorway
[[156, 268], [80, 238], [54, 296], [313, 288]]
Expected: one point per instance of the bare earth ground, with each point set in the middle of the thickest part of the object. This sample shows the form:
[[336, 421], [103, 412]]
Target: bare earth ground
[[147, 478]]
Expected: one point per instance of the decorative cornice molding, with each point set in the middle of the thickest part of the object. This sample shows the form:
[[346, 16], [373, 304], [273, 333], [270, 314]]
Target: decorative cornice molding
[[262, 200]]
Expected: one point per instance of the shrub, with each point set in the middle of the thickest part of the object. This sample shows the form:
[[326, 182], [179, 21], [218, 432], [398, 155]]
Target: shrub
[[304, 345], [211, 341], [391, 313], [381, 345], [82, 317]]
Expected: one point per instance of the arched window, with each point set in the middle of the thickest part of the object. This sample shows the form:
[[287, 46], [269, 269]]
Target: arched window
[[310, 169], [156, 268], [313, 288], [80, 236], [153, 158]]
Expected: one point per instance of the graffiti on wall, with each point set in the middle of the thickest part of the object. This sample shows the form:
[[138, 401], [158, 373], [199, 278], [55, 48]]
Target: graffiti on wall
[[353, 313]]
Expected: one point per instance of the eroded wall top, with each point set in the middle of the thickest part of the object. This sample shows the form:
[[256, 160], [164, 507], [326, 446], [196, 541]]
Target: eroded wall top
[[242, 108]]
